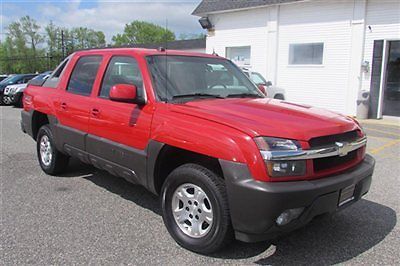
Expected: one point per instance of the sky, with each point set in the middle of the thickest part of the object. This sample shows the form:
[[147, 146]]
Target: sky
[[109, 16]]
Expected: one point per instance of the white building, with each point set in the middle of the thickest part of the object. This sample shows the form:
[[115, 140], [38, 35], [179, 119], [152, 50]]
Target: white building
[[322, 52]]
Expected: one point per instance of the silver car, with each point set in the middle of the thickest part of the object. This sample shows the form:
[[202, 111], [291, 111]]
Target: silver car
[[265, 86], [13, 93]]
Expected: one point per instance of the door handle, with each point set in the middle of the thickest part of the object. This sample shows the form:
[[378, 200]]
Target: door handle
[[64, 106], [95, 112]]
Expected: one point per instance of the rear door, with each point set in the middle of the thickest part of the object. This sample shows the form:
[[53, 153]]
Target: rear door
[[119, 132], [73, 107]]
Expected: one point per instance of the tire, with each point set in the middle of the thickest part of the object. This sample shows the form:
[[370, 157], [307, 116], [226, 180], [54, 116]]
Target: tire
[[219, 231], [50, 159], [279, 97], [3, 101]]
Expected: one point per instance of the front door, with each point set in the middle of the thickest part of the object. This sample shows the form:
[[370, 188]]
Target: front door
[[391, 94], [119, 132]]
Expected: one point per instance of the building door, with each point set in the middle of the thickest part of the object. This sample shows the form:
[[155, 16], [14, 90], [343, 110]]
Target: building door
[[391, 94]]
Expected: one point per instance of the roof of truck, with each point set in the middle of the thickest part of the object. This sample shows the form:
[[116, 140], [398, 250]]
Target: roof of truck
[[140, 51]]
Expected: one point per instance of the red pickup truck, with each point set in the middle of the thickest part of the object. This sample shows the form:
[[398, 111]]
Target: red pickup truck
[[226, 161]]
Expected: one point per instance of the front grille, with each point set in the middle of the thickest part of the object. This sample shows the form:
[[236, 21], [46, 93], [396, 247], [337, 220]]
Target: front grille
[[331, 139], [321, 164]]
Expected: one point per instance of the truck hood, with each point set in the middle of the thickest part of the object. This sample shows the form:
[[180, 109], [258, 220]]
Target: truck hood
[[269, 117]]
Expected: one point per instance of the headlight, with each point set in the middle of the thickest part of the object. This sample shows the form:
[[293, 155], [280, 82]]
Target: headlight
[[362, 131], [281, 168]]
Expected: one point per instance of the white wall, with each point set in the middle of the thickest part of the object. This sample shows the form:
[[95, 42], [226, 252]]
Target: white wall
[[323, 85], [341, 25], [241, 28], [384, 19]]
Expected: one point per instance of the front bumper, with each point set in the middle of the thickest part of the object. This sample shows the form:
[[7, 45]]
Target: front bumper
[[255, 205]]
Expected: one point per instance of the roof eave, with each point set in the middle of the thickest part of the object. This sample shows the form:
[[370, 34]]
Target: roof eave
[[204, 14]]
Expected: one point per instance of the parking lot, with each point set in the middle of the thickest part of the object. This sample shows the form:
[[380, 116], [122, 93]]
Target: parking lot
[[90, 217]]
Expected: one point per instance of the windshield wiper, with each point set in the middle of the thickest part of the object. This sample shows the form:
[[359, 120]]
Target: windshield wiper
[[197, 95], [243, 95]]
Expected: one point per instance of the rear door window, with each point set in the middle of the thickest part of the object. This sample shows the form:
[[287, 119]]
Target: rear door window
[[54, 79], [84, 74]]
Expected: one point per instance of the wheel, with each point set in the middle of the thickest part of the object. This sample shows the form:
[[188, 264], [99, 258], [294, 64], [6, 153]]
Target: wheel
[[279, 97], [50, 159], [195, 209], [5, 100]]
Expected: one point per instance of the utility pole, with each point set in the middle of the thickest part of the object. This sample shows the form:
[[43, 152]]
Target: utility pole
[[62, 44]]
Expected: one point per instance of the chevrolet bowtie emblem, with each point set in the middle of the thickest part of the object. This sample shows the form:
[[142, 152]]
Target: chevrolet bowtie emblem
[[343, 148]]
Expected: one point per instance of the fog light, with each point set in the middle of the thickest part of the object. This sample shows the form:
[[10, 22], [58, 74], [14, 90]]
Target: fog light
[[286, 168], [288, 216]]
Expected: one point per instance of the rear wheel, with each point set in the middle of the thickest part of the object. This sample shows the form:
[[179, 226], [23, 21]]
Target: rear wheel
[[51, 160], [195, 209]]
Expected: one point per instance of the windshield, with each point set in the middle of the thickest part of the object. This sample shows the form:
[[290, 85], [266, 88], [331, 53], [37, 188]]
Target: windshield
[[6, 80], [12, 79], [197, 77]]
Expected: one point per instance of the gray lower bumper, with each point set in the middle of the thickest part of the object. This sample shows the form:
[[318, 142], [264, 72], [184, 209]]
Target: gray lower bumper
[[255, 205]]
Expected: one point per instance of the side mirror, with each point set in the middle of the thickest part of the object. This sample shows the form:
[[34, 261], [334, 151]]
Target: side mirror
[[125, 93], [269, 83]]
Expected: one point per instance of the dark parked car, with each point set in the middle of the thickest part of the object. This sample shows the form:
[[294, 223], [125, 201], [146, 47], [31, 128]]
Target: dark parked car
[[13, 93], [3, 77], [16, 79]]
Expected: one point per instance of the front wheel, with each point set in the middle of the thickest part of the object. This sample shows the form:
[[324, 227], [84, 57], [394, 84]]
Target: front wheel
[[4, 100], [50, 159], [195, 209]]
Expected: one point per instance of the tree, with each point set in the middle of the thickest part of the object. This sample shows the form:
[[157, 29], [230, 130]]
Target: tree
[[52, 32], [17, 36], [139, 32], [191, 36], [16, 48], [6, 51], [87, 38], [31, 29], [20, 52], [21, 46]]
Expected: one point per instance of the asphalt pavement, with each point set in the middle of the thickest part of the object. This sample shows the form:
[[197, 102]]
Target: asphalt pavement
[[87, 216]]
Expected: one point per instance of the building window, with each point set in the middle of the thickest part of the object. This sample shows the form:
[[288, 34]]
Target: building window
[[306, 54], [239, 55]]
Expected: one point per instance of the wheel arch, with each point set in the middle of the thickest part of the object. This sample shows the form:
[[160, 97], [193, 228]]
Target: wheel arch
[[164, 158], [38, 120]]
